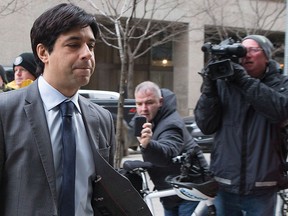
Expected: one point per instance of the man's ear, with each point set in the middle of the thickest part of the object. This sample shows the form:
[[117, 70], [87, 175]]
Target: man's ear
[[161, 101], [42, 53]]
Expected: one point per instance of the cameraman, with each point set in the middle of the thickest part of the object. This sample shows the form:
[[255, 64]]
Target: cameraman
[[245, 111]]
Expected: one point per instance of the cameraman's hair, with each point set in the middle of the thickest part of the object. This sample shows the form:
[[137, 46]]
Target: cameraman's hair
[[148, 85], [56, 21]]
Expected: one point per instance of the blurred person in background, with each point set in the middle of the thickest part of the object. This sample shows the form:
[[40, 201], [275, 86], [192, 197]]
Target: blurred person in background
[[24, 68], [3, 79]]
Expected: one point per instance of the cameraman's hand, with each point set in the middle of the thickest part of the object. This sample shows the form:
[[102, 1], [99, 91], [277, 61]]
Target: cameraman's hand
[[209, 86], [240, 75]]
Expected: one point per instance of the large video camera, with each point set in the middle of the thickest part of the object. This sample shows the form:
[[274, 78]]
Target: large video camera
[[221, 58]]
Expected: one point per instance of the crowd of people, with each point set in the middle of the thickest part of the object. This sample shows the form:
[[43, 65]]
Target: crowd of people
[[245, 111]]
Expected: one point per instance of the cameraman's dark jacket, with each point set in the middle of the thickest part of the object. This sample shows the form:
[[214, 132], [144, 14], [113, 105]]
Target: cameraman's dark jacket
[[170, 139], [246, 121]]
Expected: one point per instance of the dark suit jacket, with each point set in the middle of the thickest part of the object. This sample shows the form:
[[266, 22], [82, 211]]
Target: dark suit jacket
[[27, 177]]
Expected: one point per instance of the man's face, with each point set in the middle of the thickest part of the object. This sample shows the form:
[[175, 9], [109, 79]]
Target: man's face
[[71, 63], [255, 61], [147, 104], [1, 82], [21, 74]]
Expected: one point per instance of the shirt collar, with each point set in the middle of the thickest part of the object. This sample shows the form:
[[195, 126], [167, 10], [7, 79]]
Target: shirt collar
[[51, 97]]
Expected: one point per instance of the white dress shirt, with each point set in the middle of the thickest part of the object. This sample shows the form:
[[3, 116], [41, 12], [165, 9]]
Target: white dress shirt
[[85, 167]]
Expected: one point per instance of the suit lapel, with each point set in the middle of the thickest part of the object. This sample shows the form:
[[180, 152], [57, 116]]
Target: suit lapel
[[91, 121], [37, 119]]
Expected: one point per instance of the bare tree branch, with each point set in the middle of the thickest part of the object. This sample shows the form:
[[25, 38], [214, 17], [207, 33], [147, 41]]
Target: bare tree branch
[[131, 27], [8, 7], [265, 15], [134, 27]]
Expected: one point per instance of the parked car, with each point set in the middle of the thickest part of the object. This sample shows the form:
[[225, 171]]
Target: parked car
[[109, 101], [204, 141], [99, 94]]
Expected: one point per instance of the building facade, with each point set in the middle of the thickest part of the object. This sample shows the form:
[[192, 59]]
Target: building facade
[[174, 65]]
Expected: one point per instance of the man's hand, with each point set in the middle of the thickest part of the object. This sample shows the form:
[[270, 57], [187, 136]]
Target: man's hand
[[240, 75], [209, 86], [146, 135]]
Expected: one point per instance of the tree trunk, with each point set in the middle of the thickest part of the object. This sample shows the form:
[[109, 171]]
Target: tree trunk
[[130, 79], [123, 77], [119, 129]]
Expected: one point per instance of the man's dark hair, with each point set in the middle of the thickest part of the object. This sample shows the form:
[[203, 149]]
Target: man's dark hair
[[55, 21]]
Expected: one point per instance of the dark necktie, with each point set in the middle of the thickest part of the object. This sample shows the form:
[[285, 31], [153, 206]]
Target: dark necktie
[[67, 194]]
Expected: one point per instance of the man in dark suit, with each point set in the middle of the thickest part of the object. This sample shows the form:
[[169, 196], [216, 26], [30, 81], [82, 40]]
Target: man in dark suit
[[63, 42]]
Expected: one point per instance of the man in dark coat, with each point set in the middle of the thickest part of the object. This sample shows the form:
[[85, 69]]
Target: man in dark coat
[[246, 112], [163, 137]]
